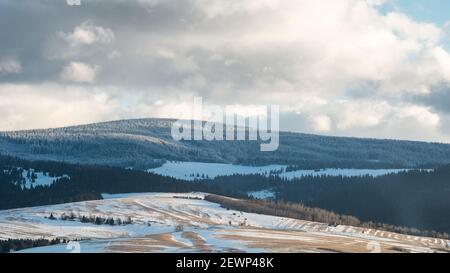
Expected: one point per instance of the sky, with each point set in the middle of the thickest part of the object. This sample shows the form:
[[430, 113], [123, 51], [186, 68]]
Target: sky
[[433, 11], [364, 68]]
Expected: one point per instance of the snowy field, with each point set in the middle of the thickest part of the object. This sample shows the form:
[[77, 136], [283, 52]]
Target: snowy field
[[165, 222], [41, 179], [191, 171], [32, 178]]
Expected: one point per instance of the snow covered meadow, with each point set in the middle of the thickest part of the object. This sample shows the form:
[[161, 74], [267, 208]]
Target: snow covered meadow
[[40, 179], [191, 171], [165, 222]]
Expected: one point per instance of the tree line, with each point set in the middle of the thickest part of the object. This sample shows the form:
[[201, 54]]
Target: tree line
[[13, 245], [97, 220], [302, 212]]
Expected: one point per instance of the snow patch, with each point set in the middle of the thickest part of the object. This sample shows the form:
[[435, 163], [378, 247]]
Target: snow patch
[[263, 195], [40, 179]]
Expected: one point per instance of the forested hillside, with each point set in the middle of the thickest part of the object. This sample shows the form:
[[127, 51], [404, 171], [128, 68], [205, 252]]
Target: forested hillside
[[146, 143], [415, 199], [86, 182]]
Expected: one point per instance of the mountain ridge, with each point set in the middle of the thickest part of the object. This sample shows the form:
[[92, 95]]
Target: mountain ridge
[[143, 143], [171, 120]]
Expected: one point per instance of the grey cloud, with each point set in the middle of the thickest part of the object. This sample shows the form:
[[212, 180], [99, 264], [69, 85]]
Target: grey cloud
[[142, 28], [438, 99]]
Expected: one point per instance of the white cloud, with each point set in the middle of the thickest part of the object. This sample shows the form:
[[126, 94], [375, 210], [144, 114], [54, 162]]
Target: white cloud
[[226, 8], [377, 2], [51, 105], [376, 118], [328, 47], [87, 34], [443, 58], [10, 66], [447, 25], [321, 123], [79, 72]]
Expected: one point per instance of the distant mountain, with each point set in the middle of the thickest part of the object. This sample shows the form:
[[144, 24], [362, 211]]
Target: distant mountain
[[144, 143]]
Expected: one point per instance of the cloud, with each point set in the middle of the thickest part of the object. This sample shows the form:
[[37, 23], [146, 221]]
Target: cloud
[[447, 27], [438, 99], [10, 66], [377, 2], [337, 67], [321, 123], [372, 119], [87, 34], [79, 72], [50, 105]]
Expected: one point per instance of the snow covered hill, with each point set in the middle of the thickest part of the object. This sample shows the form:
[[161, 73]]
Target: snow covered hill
[[146, 143], [165, 222]]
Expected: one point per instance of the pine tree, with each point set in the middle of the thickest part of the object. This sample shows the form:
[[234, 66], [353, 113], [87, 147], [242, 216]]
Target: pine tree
[[33, 177], [98, 221]]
